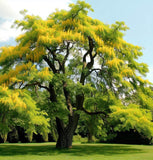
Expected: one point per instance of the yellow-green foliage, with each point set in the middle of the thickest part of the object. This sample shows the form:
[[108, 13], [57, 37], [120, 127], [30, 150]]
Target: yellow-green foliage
[[26, 72], [18, 108], [146, 98], [132, 117]]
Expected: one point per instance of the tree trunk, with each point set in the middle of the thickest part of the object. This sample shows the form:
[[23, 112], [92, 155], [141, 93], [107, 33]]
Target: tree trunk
[[65, 134], [4, 137], [64, 140], [90, 137]]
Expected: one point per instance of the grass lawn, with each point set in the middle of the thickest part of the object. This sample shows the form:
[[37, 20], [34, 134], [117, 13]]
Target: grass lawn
[[47, 151]]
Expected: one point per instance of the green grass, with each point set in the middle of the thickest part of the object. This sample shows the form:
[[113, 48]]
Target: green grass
[[47, 151]]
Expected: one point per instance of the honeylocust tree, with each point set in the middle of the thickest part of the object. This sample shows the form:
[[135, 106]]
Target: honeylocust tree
[[63, 54]]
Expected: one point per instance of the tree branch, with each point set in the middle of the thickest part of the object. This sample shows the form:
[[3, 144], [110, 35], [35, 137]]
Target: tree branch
[[89, 52], [36, 84], [93, 113], [85, 55], [67, 97], [55, 57], [66, 56], [51, 65], [67, 53], [76, 13], [88, 65], [94, 69], [91, 46], [44, 87], [20, 85], [53, 96], [95, 55], [30, 84]]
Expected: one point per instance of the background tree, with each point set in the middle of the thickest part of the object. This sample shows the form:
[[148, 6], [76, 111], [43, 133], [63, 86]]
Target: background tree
[[90, 126], [43, 102], [60, 53], [136, 114], [18, 109]]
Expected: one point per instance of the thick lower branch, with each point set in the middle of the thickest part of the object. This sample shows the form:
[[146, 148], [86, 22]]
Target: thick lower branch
[[43, 87], [36, 84], [93, 113], [60, 125], [55, 58], [53, 96], [66, 56], [51, 65], [79, 101], [67, 97]]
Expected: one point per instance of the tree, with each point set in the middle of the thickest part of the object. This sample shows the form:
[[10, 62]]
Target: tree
[[135, 115], [60, 55], [91, 126], [95, 124], [18, 109]]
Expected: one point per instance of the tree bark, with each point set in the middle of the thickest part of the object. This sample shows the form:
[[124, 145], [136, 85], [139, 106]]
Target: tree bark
[[64, 140], [65, 134], [90, 137]]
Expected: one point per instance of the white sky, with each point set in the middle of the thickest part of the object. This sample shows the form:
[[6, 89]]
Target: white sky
[[9, 11]]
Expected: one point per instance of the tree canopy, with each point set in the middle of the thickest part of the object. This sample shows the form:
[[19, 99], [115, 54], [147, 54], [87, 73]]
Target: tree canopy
[[83, 64]]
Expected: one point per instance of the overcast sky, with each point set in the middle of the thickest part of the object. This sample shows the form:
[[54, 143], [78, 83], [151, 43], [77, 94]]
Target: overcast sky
[[137, 14]]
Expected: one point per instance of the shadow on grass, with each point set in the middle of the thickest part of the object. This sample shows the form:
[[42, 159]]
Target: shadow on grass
[[77, 150]]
